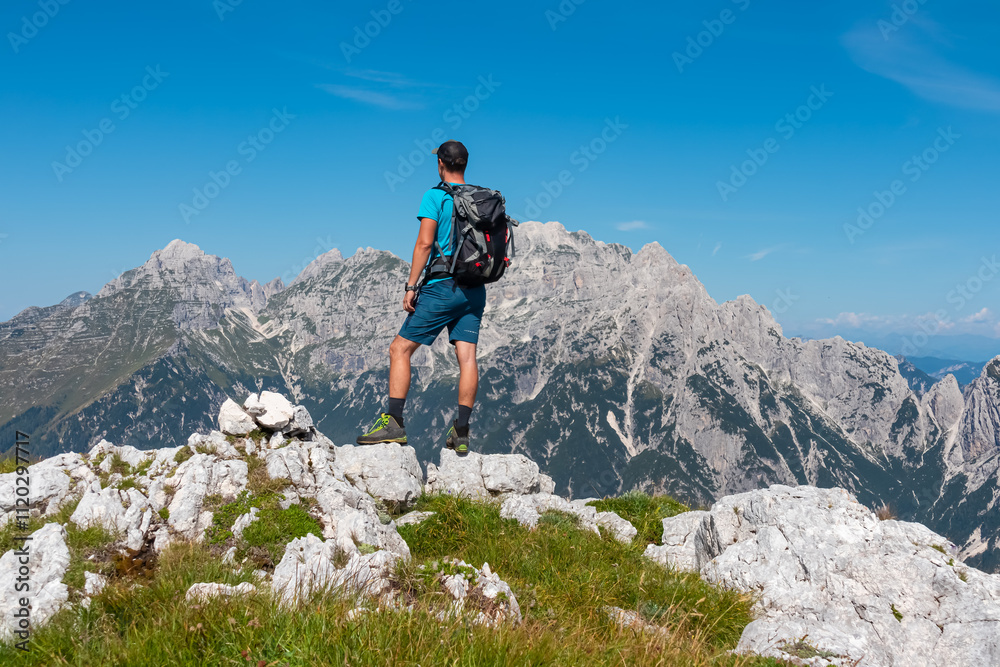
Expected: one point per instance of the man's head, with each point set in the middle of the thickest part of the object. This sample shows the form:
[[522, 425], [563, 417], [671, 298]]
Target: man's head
[[453, 158]]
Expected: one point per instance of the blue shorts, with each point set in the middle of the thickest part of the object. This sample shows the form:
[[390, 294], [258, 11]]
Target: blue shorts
[[445, 304]]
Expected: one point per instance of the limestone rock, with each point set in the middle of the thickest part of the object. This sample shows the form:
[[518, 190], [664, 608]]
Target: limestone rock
[[206, 591], [278, 411], [47, 558], [243, 521], [413, 518], [309, 566], [233, 420], [872, 592], [483, 476], [388, 471]]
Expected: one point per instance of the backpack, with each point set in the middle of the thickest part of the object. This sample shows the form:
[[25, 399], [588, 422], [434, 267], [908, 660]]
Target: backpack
[[481, 236]]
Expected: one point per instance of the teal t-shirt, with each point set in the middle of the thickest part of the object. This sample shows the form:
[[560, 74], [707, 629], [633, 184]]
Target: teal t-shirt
[[437, 205]]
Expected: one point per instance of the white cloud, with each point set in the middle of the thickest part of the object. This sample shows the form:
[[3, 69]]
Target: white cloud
[[907, 59], [717, 248], [760, 254], [983, 316], [370, 97], [631, 226]]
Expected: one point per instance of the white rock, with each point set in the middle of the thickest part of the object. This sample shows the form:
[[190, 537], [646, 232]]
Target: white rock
[[825, 567], [413, 518], [94, 583], [126, 513], [253, 406], [301, 421], [308, 566], [243, 521], [47, 559], [206, 591], [48, 488], [679, 535], [482, 476], [388, 471], [278, 411], [233, 420]]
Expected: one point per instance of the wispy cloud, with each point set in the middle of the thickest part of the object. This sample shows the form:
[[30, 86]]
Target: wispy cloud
[[912, 59], [632, 226], [716, 249], [371, 97], [982, 317], [761, 254]]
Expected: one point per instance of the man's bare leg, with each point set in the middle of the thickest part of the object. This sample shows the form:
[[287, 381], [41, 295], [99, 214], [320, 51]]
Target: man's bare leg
[[400, 352], [468, 380]]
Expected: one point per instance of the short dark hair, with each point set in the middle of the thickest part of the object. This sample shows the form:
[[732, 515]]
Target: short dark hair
[[453, 154]]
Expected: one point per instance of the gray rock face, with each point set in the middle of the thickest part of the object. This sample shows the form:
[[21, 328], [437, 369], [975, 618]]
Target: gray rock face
[[875, 593], [308, 566], [233, 420], [479, 476], [47, 559], [387, 471]]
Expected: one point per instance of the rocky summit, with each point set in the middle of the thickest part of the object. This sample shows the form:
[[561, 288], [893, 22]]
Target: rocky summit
[[612, 369], [833, 583]]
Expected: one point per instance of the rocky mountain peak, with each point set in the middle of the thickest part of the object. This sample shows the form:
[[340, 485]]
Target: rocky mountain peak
[[320, 264]]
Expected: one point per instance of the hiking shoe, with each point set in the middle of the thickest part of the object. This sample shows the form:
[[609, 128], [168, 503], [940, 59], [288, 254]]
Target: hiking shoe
[[458, 438], [385, 429]]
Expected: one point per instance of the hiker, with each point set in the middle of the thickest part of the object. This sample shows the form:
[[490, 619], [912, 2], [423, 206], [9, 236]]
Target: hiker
[[459, 252]]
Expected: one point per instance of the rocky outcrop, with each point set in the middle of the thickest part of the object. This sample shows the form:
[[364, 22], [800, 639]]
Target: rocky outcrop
[[40, 562], [827, 572], [386, 471], [478, 476]]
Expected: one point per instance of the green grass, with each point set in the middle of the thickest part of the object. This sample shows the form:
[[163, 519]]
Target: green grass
[[560, 572], [84, 543], [644, 512], [562, 577], [273, 529], [8, 464], [183, 454], [127, 624]]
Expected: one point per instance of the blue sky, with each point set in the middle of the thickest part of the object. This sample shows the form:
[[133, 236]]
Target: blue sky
[[743, 136]]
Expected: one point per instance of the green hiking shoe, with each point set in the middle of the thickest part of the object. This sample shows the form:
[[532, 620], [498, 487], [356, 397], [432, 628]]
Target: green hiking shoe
[[458, 438], [385, 429]]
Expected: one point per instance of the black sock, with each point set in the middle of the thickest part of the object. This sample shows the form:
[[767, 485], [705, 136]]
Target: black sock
[[395, 409], [464, 412]]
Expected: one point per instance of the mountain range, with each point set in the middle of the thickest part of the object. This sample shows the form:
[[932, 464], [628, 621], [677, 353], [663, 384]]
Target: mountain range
[[613, 369]]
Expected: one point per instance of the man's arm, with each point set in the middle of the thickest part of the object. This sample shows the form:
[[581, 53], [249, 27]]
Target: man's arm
[[421, 252]]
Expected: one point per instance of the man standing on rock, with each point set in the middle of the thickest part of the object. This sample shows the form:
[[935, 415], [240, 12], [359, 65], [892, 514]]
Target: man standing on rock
[[442, 302]]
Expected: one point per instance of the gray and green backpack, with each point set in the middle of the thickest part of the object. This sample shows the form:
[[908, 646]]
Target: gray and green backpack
[[482, 239]]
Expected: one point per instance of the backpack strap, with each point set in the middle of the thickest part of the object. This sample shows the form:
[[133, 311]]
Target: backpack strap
[[438, 267]]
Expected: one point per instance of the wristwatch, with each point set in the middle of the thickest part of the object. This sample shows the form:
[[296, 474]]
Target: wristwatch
[[412, 288]]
